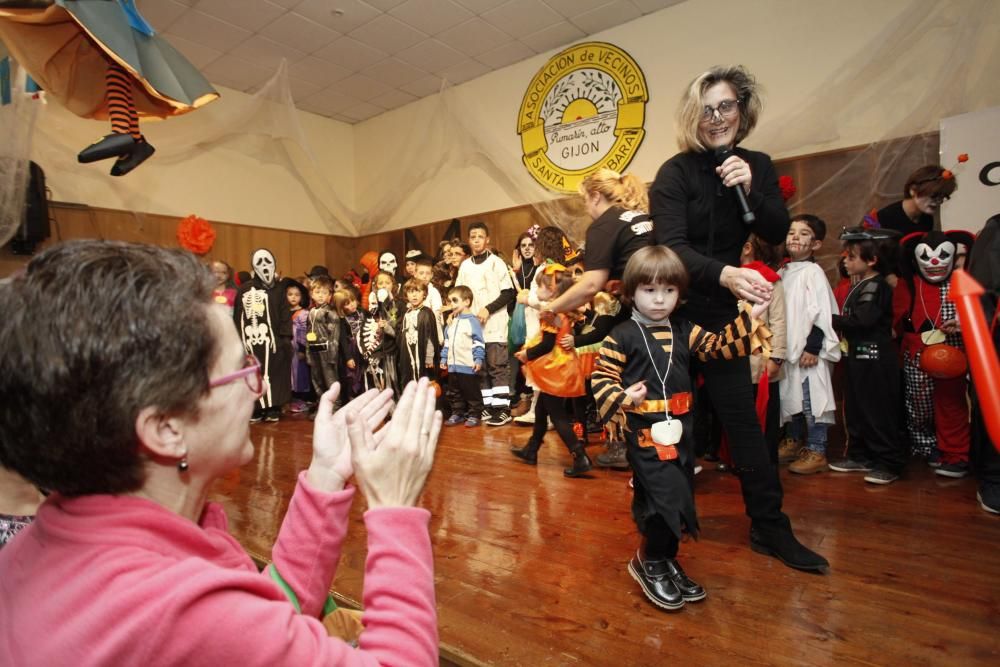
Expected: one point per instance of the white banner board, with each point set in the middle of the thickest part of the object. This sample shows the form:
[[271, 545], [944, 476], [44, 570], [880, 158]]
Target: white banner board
[[978, 194]]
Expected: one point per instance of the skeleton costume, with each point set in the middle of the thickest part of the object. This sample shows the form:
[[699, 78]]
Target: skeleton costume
[[937, 410], [420, 346], [661, 353], [378, 343], [264, 322]]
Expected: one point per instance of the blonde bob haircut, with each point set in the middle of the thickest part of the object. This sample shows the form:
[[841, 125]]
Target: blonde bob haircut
[[654, 265], [625, 190], [693, 104]]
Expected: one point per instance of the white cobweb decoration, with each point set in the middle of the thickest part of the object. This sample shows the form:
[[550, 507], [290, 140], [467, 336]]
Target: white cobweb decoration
[[17, 122]]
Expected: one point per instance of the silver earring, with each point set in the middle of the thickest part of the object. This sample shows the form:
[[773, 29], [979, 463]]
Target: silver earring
[[183, 465]]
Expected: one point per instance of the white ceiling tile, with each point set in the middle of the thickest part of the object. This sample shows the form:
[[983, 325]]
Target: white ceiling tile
[[362, 111], [287, 4], [265, 52], [431, 56], [350, 53], [606, 16], [204, 29], [302, 89], [199, 54], [236, 73], [355, 13], [473, 37], [361, 87], [464, 71], [319, 72], [519, 17], [428, 85], [393, 99], [385, 5], [480, 6], [569, 8], [393, 72], [161, 13], [250, 14], [388, 34], [330, 100], [431, 16], [553, 37], [650, 6], [299, 32], [508, 54]]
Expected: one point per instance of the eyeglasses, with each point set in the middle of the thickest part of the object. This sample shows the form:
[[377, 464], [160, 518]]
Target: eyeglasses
[[250, 373], [727, 109]]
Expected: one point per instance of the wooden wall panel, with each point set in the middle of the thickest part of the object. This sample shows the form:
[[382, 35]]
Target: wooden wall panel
[[841, 203]]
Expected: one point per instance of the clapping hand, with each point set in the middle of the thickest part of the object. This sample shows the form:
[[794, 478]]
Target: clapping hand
[[331, 464], [392, 463]]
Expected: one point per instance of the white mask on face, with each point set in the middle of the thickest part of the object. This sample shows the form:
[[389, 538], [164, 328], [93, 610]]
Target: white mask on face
[[387, 262], [935, 264], [263, 265]]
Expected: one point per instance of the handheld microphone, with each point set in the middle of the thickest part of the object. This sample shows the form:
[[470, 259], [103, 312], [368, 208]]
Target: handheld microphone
[[721, 154]]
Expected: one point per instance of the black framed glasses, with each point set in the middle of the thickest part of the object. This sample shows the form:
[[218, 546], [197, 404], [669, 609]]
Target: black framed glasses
[[250, 373], [726, 110]]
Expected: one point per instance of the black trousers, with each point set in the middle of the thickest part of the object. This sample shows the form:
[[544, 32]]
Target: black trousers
[[874, 432], [465, 396], [554, 408], [731, 392]]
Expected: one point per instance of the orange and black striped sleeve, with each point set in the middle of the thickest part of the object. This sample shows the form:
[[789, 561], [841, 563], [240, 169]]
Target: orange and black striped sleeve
[[606, 382], [740, 338]]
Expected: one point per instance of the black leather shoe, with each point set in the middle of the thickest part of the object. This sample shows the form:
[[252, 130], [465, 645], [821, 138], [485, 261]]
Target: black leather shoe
[[581, 464], [113, 145], [690, 590], [528, 453], [781, 543], [654, 578], [123, 165]]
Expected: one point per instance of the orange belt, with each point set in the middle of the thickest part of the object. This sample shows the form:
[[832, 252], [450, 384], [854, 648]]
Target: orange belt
[[678, 404], [663, 452]]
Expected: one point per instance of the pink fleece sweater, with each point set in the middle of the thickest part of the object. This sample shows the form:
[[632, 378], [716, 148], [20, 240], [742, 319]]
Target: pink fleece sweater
[[105, 580]]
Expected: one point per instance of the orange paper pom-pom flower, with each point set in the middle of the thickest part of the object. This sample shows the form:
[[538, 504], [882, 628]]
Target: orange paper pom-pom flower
[[195, 234]]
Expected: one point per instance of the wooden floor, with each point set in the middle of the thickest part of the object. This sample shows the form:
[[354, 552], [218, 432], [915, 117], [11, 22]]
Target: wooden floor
[[530, 566]]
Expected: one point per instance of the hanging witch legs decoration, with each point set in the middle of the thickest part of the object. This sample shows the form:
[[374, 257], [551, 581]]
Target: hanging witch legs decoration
[[101, 59]]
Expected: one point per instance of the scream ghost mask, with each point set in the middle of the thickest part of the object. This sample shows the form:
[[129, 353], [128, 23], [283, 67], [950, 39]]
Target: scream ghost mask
[[262, 262]]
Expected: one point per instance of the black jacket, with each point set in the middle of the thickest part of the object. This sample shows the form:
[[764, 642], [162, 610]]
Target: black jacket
[[698, 217]]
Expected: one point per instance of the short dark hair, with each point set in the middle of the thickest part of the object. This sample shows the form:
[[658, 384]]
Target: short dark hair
[[813, 222], [884, 251], [123, 327], [479, 224], [463, 292], [930, 181], [424, 260], [414, 285], [323, 280], [654, 265]]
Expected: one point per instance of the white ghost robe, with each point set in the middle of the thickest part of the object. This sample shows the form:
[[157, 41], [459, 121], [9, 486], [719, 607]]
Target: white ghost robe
[[809, 302]]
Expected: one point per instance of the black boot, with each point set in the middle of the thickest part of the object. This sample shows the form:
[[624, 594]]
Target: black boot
[[771, 531], [112, 145], [654, 578], [528, 453], [581, 463], [690, 590], [142, 151], [779, 541]]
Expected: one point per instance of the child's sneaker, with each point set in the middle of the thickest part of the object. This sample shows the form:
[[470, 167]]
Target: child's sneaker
[[989, 498], [454, 420], [877, 476], [499, 418], [847, 465], [953, 470], [472, 422], [809, 462], [788, 450]]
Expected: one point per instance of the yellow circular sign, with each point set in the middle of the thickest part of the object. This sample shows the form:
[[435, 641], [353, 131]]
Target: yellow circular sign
[[583, 110]]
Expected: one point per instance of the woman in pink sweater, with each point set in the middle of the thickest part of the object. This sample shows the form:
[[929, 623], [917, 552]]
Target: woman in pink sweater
[[127, 393]]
